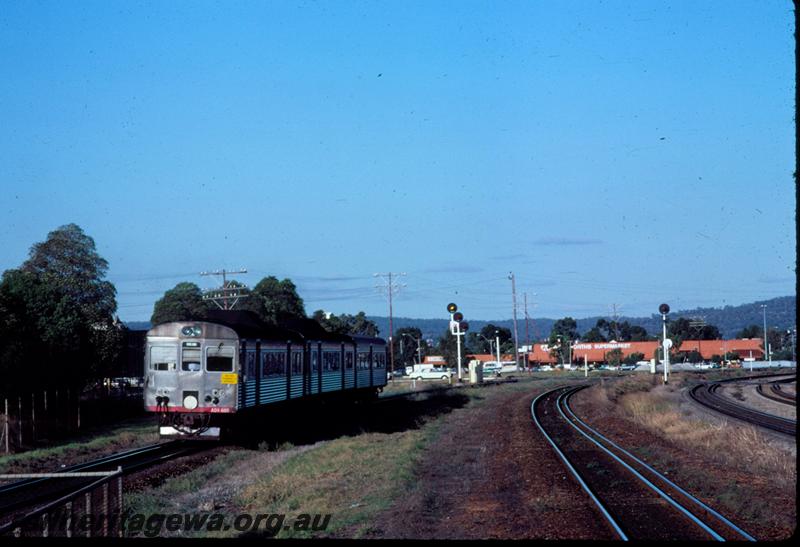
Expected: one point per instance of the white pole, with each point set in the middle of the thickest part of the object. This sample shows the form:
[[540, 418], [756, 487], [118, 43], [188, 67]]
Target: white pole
[[458, 346], [666, 349], [497, 346], [585, 365], [766, 345]]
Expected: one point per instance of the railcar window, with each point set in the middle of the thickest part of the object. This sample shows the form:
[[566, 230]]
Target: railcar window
[[331, 361], [314, 364], [348, 360], [163, 358], [251, 365], [297, 363], [380, 360], [190, 359], [273, 363], [363, 361], [219, 359]]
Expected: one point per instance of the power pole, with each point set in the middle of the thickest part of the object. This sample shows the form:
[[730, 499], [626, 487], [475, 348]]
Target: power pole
[[514, 296], [527, 331], [225, 292], [390, 287], [616, 320]]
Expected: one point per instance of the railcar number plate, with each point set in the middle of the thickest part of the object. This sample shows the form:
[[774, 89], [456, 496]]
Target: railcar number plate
[[229, 378]]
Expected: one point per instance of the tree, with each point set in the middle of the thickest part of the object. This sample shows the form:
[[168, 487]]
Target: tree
[[57, 323], [275, 301], [478, 344], [405, 346], [68, 261], [594, 335], [694, 356], [447, 347], [564, 331], [357, 325], [753, 331], [633, 358], [614, 356], [183, 302]]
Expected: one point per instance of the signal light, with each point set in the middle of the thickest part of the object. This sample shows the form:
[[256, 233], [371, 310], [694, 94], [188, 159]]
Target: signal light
[[452, 308], [463, 325], [458, 316]]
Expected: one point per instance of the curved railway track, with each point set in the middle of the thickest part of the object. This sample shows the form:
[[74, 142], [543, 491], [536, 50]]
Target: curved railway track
[[776, 393], [32, 492], [706, 395], [636, 501]]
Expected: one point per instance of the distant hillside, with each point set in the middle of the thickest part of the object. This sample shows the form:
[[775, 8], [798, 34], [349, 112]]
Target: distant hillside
[[781, 313]]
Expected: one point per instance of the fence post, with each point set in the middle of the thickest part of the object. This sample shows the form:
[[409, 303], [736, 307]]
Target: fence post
[[19, 404], [119, 498], [88, 497], [69, 519], [33, 416], [5, 423]]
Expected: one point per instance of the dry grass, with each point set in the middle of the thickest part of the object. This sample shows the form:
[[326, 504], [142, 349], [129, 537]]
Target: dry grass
[[739, 447]]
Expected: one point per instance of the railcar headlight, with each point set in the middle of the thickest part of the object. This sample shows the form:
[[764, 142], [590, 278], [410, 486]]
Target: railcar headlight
[[192, 331], [190, 402]]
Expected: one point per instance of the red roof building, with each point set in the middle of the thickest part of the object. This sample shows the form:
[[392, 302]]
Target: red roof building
[[595, 352]]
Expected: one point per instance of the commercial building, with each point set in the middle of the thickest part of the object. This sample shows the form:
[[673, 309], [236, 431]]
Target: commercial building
[[596, 352]]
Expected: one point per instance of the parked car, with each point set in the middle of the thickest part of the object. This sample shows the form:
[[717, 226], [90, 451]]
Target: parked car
[[546, 368], [431, 373], [628, 367], [492, 368]]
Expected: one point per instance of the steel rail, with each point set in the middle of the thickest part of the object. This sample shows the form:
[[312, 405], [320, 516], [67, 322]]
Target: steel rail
[[6, 488], [776, 394], [161, 452], [686, 494], [705, 394], [638, 475], [574, 472]]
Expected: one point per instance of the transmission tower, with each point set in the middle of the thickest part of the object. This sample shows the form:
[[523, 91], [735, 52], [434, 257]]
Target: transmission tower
[[222, 295], [390, 287]]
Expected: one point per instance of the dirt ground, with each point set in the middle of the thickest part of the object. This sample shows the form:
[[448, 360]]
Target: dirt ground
[[745, 393], [510, 484]]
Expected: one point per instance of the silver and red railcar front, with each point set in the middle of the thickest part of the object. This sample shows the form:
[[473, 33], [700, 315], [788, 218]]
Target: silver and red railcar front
[[191, 377]]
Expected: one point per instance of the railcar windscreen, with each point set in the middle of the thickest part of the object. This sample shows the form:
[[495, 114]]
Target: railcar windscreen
[[219, 359], [190, 359], [163, 358]]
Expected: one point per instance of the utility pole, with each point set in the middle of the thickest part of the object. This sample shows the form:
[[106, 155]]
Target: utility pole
[[616, 320], [766, 344], [514, 296], [390, 287], [527, 332], [225, 292]]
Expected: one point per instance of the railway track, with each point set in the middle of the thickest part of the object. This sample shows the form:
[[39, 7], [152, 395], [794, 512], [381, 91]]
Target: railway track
[[706, 395], [776, 393], [636, 501], [32, 492]]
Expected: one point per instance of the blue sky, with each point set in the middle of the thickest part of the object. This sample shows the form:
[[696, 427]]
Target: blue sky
[[621, 153]]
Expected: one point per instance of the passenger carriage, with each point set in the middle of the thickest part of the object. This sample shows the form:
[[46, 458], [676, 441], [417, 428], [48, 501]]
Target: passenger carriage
[[200, 374]]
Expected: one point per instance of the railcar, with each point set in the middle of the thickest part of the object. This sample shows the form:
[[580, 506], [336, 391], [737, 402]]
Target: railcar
[[201, 375]]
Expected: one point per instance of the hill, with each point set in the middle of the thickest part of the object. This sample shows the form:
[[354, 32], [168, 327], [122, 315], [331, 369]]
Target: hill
[[781, 313]]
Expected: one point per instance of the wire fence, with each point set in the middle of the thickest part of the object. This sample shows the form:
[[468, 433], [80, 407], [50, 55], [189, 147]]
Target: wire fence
[[33, 419], [94, 510]]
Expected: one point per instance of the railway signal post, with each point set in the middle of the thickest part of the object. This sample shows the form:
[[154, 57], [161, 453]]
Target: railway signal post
[[667, 343], [458, 328]]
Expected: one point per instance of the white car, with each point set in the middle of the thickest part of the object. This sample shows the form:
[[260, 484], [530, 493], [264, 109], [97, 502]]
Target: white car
[[492, 368], [432, 373], [545, 368]]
